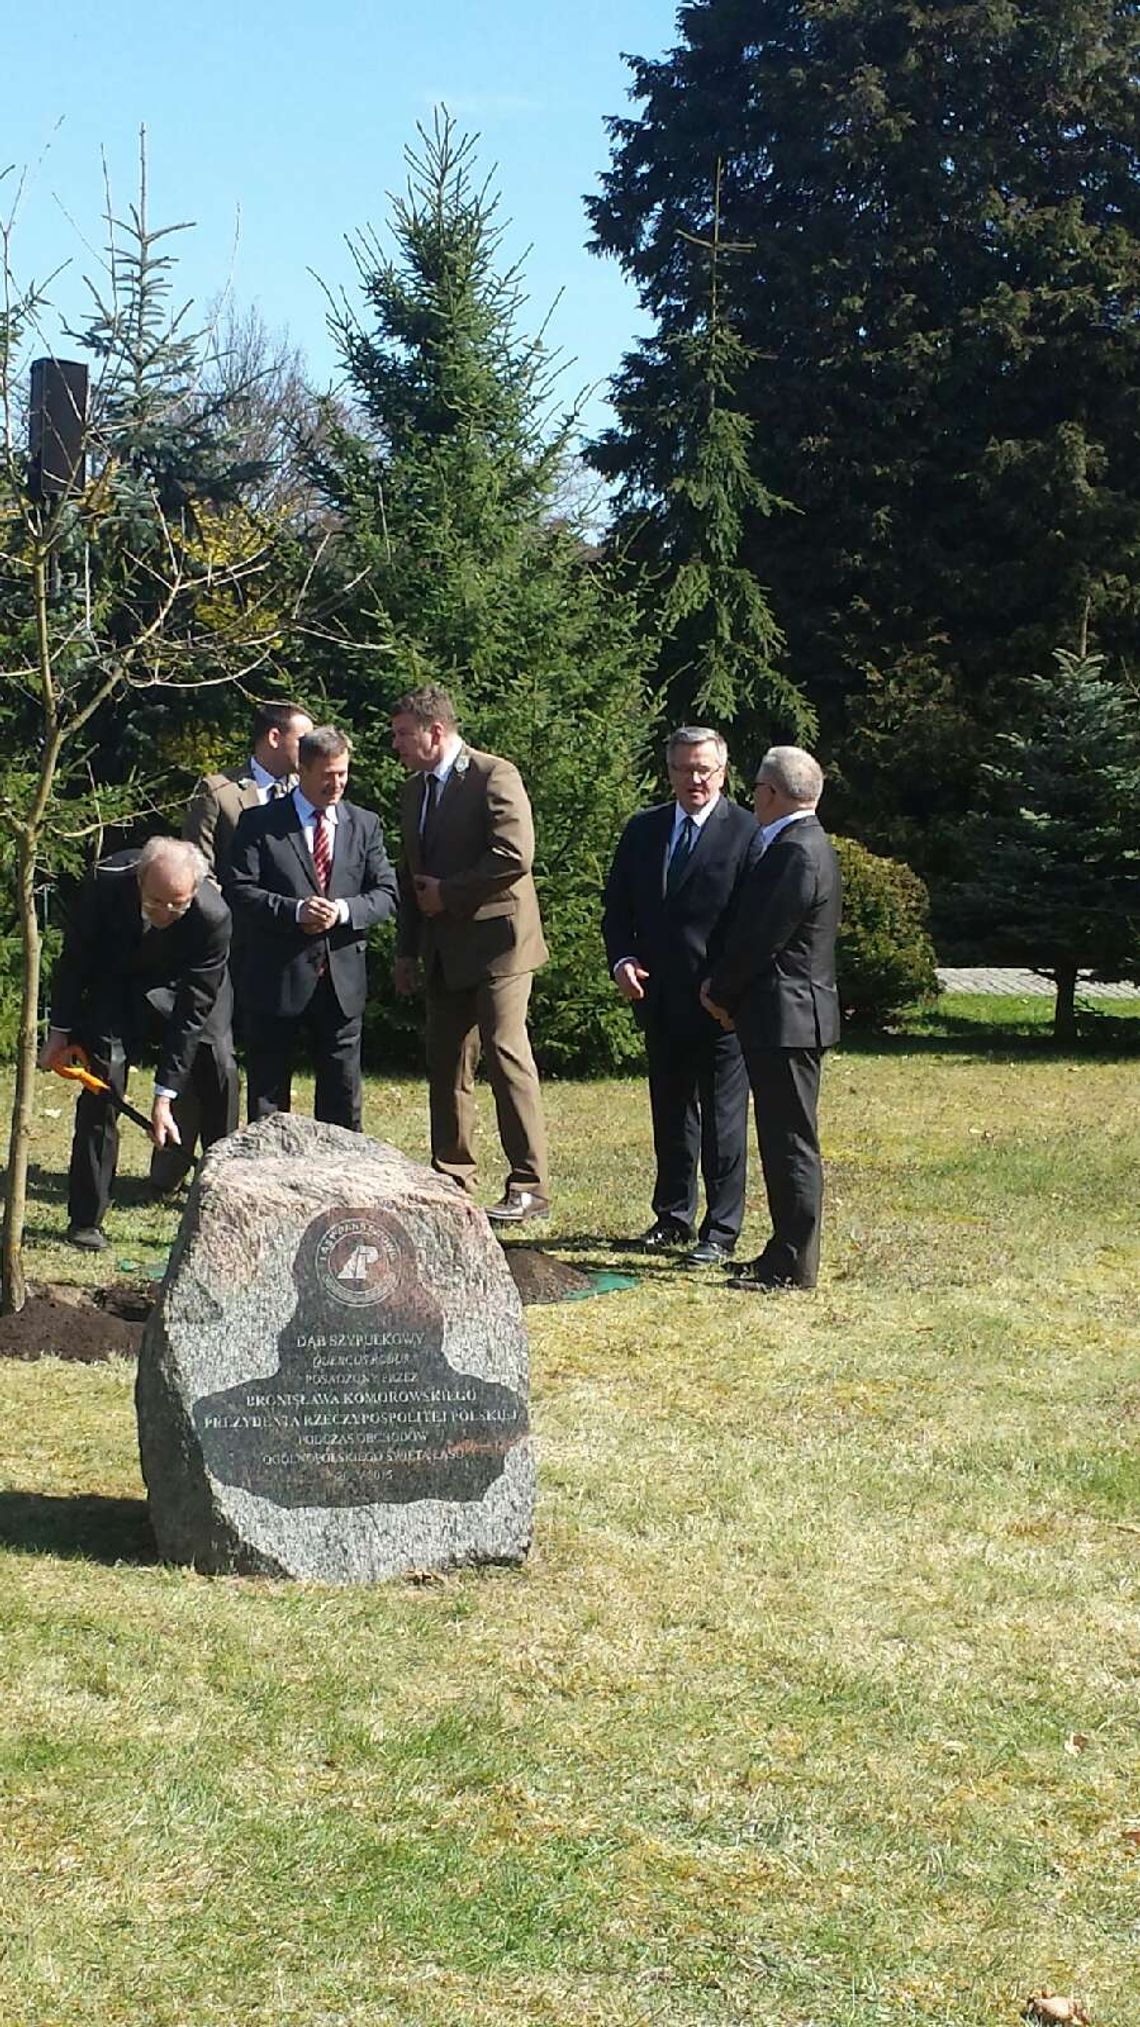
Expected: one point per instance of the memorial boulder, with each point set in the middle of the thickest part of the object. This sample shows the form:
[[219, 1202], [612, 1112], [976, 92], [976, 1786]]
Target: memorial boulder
[[333, 1383]]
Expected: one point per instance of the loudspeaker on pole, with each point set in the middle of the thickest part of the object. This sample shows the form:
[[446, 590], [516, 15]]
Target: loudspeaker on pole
[[57, 427]]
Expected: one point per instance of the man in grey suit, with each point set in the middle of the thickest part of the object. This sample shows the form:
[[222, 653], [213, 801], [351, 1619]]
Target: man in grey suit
[[308, 876], [210, 822], [774, 981]]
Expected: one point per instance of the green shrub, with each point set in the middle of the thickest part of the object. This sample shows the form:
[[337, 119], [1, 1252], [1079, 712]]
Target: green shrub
[[884, 956]]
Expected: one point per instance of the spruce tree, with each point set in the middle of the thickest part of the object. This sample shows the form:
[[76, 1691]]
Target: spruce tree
[[683, 533], [456, 563], [1057, 884]]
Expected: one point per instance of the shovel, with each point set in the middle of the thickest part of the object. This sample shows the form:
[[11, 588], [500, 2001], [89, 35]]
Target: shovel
[[79, 1071]]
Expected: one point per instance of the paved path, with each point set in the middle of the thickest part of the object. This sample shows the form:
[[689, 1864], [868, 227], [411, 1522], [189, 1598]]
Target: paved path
[[1007, 983]]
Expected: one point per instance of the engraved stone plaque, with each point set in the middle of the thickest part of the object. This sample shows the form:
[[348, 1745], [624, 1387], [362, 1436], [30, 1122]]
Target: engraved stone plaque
[[334, 1382], [363, 1407]]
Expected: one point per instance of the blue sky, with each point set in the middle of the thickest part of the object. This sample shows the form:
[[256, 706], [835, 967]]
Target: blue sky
[[277, 128]]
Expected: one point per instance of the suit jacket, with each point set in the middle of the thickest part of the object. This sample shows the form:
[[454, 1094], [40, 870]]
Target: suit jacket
[[215, 809], [776, 974], [115, 977], [679, 936], [270, 870], [480, 846]]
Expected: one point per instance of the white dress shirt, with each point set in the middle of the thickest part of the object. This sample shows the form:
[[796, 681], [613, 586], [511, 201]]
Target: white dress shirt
[[770, 831], [307, 812], [264, 782], [681, 816]]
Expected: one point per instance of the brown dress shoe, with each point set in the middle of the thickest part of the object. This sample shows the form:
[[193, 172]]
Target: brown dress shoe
[[518, 1205]]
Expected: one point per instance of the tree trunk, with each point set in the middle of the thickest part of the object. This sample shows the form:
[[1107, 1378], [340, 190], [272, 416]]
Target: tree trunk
[[1064, 1011], [13, 1288]]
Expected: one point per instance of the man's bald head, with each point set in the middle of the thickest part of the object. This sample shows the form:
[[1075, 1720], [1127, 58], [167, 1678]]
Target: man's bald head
[[170, 872]]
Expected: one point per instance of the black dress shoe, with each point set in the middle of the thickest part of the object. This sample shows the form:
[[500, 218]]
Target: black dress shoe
[[664, 1236], [709, 1253], [754, 1278]]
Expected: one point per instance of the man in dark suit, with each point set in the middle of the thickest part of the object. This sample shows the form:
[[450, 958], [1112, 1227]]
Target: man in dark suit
[[775, 982], [211, 820], [308, 876], [144, 957], [470, 928], [675, 878]]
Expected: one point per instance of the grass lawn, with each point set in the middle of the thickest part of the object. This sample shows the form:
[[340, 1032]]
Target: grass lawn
[[816, 1702]]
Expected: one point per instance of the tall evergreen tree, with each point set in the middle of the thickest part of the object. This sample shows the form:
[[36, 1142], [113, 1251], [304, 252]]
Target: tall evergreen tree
[[1058, 884], [719, 657], [942, 315], [454, 563]]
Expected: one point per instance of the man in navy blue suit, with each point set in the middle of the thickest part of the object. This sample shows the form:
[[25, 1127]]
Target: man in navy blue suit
[[307, 877], [676, 875]]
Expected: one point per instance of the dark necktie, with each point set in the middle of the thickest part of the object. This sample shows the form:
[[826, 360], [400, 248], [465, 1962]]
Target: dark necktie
[[322, 849], [282, 787], [682, 853], [432, 789]]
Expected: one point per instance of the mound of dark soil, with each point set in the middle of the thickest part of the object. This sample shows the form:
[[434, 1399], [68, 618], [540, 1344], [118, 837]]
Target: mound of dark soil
[[85, 1324], [540, 1278]]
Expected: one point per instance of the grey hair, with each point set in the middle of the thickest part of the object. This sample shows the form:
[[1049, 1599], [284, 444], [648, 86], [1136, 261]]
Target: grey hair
[[696, 735], [174, 854], [793, 773], [324, 742]]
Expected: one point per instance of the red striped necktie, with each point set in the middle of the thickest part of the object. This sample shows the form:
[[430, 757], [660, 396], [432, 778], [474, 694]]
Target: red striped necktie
[[322, 849]]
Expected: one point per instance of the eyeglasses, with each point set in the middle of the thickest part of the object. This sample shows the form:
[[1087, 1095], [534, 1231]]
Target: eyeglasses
[[152, 906], [695, 773]]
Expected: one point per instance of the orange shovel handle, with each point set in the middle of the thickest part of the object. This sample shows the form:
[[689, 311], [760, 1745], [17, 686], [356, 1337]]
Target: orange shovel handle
[[79, 1071]]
